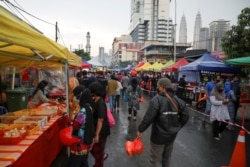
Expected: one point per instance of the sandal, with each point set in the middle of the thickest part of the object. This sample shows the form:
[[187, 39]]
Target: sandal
[[105, 156]]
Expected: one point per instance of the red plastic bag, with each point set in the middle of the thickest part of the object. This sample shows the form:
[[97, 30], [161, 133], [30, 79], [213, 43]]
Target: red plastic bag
[[134, 147], [129, 148], [67, 138], [141, 99], [138, 147]]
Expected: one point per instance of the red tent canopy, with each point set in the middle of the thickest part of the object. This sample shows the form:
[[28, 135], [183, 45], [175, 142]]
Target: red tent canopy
[[175, 66], [86, 65], [139, 65]]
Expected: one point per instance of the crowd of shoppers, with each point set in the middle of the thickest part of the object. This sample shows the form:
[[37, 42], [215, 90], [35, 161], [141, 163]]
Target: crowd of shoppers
[[221, 108]]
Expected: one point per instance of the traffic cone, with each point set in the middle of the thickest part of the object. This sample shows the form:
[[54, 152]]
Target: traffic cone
[[238, 158]]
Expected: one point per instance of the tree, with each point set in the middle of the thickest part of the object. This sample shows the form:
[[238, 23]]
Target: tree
[[82, 54], [236, 42]]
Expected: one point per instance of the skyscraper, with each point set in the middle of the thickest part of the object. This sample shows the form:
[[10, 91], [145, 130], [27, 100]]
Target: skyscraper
[[217, 30], [150, 21], [203, 40], [197, 27], [183, 30]]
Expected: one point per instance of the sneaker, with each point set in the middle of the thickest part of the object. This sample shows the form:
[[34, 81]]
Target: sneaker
[[219, 135], [129, 116], [217, 138]]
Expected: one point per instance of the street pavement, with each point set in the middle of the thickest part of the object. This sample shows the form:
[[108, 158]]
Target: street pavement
[[194, 145]]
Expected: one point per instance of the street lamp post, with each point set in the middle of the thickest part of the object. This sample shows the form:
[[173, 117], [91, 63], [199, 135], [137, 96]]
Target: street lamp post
[[175, 34]]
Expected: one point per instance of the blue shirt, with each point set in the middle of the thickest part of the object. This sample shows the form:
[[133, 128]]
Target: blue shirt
[[209, 87]]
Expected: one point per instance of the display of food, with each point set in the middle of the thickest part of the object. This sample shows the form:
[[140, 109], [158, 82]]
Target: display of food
[[29, 128], [48, 110], [8, 118], [12, 136], [41, 121]]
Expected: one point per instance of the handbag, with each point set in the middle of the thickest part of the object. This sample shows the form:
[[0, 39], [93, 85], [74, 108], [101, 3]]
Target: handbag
[[110, 118]]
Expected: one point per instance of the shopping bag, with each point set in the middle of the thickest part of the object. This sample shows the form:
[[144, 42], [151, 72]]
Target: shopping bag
[[129, 148], [125, 97], [138, 147], [110, 118], [134, 147], [106, 98]]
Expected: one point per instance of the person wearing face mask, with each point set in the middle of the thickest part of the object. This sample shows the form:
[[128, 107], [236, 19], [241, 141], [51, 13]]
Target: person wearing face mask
[[101, 126], [38, 96], [83, 128], [219, 111]]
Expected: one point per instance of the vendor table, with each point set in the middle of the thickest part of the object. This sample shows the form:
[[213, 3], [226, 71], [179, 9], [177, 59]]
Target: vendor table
[[37, 150]]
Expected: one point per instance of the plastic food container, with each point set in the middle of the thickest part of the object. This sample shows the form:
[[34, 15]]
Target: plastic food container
[[41, 121]]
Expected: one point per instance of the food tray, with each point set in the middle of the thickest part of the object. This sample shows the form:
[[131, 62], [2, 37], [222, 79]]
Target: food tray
[[8, 119], [2, 127], [40, 120], [31, 128], [12, 140], [20, 113], [49, 111]]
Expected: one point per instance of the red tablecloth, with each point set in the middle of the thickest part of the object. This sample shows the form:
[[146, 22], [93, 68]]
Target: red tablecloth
[[38, 150]]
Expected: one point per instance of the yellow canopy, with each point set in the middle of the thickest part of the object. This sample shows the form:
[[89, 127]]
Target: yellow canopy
[[144, 67], [23, 46], [156, 67]]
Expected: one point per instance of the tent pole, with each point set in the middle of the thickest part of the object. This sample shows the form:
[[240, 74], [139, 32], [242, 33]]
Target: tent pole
[[67, 93]]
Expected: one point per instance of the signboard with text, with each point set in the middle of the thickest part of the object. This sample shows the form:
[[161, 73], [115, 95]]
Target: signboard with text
[[205, 76]]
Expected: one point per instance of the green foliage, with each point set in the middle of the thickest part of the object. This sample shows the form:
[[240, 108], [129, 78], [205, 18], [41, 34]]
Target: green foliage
[[84, 55], [236, 43]]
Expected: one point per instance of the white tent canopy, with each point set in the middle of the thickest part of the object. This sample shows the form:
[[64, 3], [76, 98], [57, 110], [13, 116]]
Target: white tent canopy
[[95, 63]]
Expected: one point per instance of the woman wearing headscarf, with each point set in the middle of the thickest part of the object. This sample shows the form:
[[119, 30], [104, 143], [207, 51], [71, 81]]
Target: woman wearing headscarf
[[219, 111], [134, 93], [38, 96], [83, 128]]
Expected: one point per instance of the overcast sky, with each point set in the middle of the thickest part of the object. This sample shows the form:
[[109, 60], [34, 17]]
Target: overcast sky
[[107, 19]]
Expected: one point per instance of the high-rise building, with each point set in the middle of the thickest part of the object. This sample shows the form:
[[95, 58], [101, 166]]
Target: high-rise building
[[149, 20], [124, 50], [88, 46], [204, 38], [183, 30], [217, 30], [197, 27]]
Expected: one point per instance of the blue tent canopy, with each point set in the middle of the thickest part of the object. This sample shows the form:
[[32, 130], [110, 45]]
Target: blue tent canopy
[[208, 63]]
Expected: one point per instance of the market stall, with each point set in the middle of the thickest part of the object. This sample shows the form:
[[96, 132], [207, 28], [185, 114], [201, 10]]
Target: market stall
[[22, 47], [243, 62], [201, 70], [174, 67]]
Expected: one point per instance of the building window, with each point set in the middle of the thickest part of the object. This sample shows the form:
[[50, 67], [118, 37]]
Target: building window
[[137, 7]]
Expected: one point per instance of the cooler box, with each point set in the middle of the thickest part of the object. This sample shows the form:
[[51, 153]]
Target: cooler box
[[16, 99]]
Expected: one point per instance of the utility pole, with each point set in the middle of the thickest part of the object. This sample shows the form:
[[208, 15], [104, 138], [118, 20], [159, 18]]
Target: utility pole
[[175, 34], [56, 32]]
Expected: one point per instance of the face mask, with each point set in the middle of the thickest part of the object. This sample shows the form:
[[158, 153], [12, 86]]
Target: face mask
[[76, 100]]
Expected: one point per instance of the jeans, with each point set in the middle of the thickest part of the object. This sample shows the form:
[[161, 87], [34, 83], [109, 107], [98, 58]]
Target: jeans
[[207, 111], [160, 155], [112, 102]]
